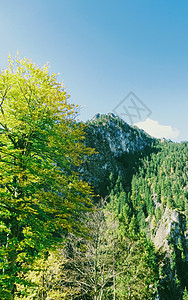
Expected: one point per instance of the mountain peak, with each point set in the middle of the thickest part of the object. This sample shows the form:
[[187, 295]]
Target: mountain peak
[[101, 117]]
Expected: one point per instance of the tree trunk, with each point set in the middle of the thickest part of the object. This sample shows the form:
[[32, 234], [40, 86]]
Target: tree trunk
[[13, 273]]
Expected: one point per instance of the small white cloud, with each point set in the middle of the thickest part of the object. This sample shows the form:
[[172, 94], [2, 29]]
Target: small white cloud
[[157, 130]]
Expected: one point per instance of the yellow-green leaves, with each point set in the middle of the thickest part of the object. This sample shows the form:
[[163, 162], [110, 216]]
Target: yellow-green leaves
[[40, 145]]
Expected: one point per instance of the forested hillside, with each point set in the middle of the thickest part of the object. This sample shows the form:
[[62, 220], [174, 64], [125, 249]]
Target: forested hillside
[[147, 184], [122, 236]]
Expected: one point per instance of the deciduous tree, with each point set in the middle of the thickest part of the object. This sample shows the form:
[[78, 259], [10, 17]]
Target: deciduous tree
[[41, 196]]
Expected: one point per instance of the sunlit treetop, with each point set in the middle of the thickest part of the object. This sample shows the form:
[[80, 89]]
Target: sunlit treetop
[[41, 194]]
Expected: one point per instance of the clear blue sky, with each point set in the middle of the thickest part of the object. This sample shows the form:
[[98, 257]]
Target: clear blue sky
[[105, 49]]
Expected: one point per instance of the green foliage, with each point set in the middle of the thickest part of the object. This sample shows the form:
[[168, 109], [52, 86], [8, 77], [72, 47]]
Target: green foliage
[[161, 182], [185, 294], [114, 263], [120, 149], [40, 143], [45, 279], [106, 255], [142, 185]]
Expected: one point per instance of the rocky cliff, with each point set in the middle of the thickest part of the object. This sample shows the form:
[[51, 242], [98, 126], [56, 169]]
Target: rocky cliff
[[152, 170]]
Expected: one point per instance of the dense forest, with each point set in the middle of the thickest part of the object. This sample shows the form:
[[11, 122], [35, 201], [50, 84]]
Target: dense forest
[[146, 182], [78, 223]]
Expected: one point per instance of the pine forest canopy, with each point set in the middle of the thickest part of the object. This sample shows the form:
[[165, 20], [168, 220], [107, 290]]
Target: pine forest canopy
[[40, 143], [146, 180]]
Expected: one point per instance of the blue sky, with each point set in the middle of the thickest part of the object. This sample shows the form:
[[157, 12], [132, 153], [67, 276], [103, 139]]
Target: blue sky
[[106, 49]]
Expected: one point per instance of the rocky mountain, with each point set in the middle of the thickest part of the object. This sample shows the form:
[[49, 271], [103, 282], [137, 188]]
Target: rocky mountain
[[152, 176], [119, 149]]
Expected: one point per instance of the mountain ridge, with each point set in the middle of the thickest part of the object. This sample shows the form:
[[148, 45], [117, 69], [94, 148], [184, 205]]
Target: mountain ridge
[[152, 175]]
